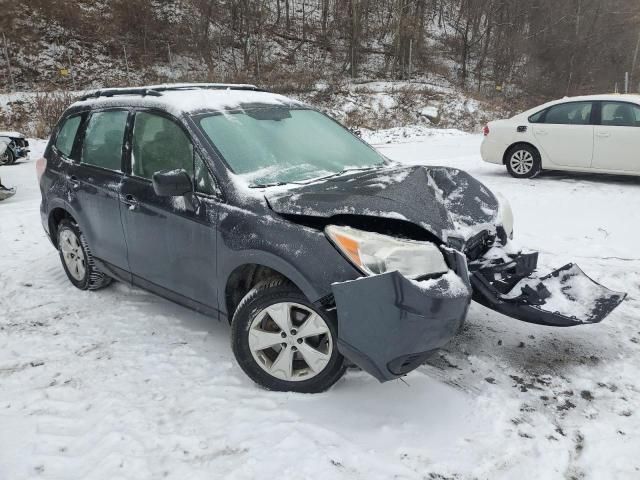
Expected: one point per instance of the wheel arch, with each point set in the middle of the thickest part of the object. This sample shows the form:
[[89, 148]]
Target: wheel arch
[[241, 279], [56, 215], [511, 147]]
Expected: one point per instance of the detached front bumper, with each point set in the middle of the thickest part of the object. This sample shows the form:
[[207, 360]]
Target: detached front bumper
[[564, 298], [388, 325]]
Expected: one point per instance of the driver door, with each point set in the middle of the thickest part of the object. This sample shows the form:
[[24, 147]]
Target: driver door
[[171, 243]]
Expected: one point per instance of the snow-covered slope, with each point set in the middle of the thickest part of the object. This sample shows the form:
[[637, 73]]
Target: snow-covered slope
[[371, 105], [122, 384]]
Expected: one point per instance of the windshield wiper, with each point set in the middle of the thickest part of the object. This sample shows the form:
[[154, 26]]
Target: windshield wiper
[[265, 185], [347, 170], [315, 179]]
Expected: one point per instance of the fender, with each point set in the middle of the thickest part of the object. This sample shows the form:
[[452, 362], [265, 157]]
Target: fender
[[270, 260]]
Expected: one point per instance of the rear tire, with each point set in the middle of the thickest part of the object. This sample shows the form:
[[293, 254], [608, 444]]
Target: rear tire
[[523, 161], [77, 261], [286, 359]]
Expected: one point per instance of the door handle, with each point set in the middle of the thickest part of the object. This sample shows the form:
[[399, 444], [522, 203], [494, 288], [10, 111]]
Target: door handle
[[603, 134], [75, 183], [130, 201], [541, 132]]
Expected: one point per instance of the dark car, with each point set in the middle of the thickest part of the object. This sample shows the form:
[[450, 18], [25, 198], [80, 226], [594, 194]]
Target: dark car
[[263, 212], [13, 146]]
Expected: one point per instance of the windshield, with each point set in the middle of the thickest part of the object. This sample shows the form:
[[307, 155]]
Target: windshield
[[274, 145]]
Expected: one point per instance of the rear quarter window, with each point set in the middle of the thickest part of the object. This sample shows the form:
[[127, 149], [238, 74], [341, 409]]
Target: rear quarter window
[[537, 117]]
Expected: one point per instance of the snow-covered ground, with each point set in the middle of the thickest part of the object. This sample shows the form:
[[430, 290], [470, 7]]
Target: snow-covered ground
[[122, 384]]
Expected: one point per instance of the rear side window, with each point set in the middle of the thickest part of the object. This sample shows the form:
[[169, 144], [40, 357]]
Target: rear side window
[[537, 117], [104, 138], [159, 144], [67, 135], [619, 114], [575, 113]]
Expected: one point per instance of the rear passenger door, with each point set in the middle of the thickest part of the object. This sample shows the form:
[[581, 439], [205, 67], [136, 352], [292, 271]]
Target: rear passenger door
[[617, 137], [172, 244], [93, 186], [565, 134]]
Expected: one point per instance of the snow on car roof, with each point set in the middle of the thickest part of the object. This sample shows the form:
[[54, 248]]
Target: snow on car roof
[[11, 134], [189, 98], [606, 97]]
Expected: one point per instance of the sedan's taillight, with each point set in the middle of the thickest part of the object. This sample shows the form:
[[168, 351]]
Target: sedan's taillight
[[485, 130], [41, 166]]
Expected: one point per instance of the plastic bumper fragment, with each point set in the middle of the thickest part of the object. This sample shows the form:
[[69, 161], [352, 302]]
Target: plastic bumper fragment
[[564, 298]]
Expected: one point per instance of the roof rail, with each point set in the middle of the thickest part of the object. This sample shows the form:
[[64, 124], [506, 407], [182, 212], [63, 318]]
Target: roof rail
[[110, 92], [156, 90]]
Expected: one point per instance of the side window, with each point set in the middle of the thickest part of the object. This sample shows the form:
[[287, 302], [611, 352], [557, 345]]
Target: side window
[[104, 138], [619, 114], [537, 117], [575, 113], [159, 144], [67, 135], [204, 182]]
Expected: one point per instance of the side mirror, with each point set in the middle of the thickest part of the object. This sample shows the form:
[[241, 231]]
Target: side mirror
[[172, 183]]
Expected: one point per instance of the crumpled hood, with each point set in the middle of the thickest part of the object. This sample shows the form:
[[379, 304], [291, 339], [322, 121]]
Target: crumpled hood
[[445, 201]]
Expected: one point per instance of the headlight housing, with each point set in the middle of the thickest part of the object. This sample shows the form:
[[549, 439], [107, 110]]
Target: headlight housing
[[505, 214], [375, 254]]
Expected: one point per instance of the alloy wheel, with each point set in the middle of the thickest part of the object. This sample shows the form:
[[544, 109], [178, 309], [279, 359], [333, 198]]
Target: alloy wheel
[[290, 341], [521, 162], [73, 254]]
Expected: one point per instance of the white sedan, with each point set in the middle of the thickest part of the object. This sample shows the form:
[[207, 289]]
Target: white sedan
[[597, 133]]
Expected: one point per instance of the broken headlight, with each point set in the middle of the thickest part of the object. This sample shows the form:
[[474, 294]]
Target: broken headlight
[[374, 253]]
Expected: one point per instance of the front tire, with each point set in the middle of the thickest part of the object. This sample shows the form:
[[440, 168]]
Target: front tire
[[285, 343], [7, 158], [77, 260], [523, 161]]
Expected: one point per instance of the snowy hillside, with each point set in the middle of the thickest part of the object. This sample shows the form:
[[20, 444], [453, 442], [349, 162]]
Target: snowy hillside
[[122, 384], [367, 105]]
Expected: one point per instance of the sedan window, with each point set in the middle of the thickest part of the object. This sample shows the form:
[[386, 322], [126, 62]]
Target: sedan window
[[537, 117], [159, 144], [620, 114], [104, 138], [575, 113]]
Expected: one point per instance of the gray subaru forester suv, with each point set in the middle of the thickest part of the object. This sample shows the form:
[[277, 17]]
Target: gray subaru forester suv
[[262, 211]]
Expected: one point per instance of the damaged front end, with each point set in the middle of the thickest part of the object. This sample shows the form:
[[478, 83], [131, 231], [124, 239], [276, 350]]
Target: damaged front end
[[389, 325], [565, 297], [426, 241]]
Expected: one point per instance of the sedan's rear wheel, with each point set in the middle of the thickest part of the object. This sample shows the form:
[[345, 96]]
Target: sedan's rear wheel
[[285, 343], [523, 161]]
